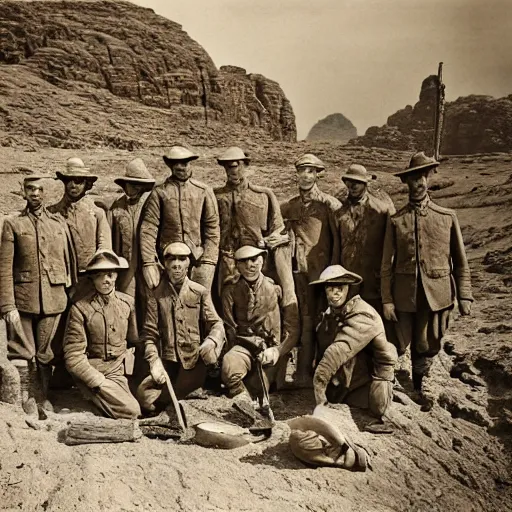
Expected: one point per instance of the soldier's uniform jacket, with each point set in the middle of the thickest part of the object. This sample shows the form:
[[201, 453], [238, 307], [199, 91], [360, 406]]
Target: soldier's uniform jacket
[[311, 219], [424, 244], [98, 329], [36, 264], [177, 323], [88, 225], [125, 222], [179, 211], [362, 228], [252, 309], [353, 347], [248, 213]]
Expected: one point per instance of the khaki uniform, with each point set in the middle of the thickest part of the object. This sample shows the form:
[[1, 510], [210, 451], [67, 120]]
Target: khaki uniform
[[249, 309], [356, 361], [36, 267], [424, 268], [186, 212], [176, 325], [310, 218], [98, 330]]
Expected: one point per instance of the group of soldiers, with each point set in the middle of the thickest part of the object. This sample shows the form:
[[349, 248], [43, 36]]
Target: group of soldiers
[[177, 280]]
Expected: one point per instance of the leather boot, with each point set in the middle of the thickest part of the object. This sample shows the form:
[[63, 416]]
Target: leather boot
[[424, 401], [28, 400], [45, 375]]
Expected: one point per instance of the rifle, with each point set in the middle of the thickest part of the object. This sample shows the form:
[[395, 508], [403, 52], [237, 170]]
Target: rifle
[[439, 113]]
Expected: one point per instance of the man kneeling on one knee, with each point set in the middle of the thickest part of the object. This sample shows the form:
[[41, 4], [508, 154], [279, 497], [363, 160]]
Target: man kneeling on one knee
[[250, 303], [356, 361], [182, 333]]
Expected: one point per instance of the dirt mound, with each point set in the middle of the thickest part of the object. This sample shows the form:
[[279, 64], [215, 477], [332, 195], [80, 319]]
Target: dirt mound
[[335, 127], [118, 64]]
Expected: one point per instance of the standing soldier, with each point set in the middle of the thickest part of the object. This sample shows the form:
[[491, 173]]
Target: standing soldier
[[424, 269], [251, 215], [182, 334], [182, 209], [310, 218], [125, 215], [35, 270]]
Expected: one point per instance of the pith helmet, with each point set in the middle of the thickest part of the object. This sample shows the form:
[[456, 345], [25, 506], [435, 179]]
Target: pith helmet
[[75, 168], [179, 153], [248, 251], [358, 172], [105, 259], [309, 160], [419, 161], [176, 249], [336, 274], [136, 172], [233, 154]]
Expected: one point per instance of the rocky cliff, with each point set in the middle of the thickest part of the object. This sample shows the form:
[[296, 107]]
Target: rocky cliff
[[473, 124], [335, 127], [96, 56]]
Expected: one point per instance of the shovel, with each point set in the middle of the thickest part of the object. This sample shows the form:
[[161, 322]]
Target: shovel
[[175, 403], [264, 425]]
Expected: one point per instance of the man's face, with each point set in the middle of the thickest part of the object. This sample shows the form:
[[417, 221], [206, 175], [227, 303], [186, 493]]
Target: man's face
[[356, 189], [181, 170], [33, 194], [176, 267], [250, 268], [104, 282], [418, 185], [235, 171], [336, 294], [133, 190], [75, 188], [306, 177]]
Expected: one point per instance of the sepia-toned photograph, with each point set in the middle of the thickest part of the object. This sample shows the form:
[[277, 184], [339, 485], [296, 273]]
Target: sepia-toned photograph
[[256, 255]]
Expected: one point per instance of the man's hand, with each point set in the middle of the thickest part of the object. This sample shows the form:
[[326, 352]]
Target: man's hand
[[13, 317], [389, 312], [269, 356], [465, 307], [157, 371], [320, 396], [207, 351], [151, 275]]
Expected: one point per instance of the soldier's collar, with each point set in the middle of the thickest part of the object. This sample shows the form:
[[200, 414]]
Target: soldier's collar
[[309, 195], [243, 185], [361, 200], [103, 299], [253, 285], [420, 207]]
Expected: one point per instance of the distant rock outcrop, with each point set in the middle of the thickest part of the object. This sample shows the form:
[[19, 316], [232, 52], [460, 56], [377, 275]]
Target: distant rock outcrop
[[472, 124], [92, 48], [335, 127]]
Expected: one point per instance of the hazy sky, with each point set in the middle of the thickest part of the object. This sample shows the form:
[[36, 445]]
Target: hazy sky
[[363, 58]]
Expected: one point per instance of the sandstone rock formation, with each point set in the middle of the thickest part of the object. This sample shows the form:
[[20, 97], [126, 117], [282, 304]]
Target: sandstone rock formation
[[335, 127], [473, 124], [113, 55]]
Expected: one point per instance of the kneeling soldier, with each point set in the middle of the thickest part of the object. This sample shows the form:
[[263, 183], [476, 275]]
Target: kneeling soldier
[[356, 360], [250, 303], [182, 333], [95, 342]]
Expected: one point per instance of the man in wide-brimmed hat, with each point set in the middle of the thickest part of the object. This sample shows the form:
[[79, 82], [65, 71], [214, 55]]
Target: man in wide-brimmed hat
[[309, 218], [182, 334], [87, 222], [251, 215], [424, 269], [182, 209], [36, 268], [100, 326], [125, 219], [356, 361]]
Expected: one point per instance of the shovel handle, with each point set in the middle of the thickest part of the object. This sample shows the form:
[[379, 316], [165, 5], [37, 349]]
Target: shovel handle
[[175, 402]]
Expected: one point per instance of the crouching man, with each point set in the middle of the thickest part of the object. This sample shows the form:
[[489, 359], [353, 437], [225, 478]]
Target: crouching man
[[182, 333], [250, 303], [356, 362], [98, 330]]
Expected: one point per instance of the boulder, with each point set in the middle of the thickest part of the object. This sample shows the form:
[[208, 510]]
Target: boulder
[[335, 127]]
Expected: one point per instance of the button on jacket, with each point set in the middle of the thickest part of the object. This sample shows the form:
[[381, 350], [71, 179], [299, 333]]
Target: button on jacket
[[424, 244], [36, 264], [362, 227], [179, 211], [177, 323], [88, 225], [310, 216], [97, 332]]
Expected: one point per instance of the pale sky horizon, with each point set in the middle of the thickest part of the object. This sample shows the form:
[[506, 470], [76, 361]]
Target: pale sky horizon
[[363, 58]]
